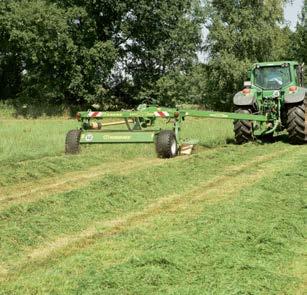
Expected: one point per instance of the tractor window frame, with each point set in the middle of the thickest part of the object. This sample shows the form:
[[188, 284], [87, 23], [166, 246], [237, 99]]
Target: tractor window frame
[[290, 78], [297, 75]]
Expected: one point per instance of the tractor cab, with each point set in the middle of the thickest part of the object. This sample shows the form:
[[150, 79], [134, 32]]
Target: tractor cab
[[272, 77], [277, 75]]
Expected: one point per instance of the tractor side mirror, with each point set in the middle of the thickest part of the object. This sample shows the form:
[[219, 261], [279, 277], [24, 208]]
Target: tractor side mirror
[[247, 84]]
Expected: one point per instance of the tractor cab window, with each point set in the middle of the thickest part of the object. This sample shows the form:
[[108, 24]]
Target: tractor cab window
[[272, 78]]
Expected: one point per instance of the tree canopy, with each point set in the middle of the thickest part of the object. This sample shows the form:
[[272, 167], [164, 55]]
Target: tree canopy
[[116, 53], [300, 44]]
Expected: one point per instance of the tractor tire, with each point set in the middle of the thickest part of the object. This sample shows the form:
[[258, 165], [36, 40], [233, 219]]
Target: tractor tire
[[296, 123], [166, 144], [243, 129], [72, 142]]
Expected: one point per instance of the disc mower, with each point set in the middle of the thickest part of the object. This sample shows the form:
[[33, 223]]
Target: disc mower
[[273, 100]]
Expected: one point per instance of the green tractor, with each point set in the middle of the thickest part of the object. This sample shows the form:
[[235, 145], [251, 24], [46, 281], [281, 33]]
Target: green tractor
[[276, 91]]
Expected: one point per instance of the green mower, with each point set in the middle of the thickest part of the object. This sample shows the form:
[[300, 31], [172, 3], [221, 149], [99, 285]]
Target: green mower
[[273, 100]]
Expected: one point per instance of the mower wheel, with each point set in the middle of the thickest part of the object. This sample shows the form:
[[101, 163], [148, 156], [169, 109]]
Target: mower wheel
[[296, 123], [166, 144], [72, 143], [243, 129]]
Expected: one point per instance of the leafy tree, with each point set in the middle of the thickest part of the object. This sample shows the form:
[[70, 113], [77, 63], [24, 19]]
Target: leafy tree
[[163, 37], [178, 87], [240, 33], [152, 38], [107, 51], [53, 59], [299, 46]]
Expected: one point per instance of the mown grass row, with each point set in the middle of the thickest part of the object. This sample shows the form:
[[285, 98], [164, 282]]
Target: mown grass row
[[245, 244], [29, 224]]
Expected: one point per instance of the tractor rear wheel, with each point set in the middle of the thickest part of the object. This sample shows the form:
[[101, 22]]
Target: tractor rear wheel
[[72, 142], [296, 123], [243, 129], [166, 144]]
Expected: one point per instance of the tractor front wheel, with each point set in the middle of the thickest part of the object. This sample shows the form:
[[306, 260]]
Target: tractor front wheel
[[166, 144], [72, 143], [243, 129], [296, 123]]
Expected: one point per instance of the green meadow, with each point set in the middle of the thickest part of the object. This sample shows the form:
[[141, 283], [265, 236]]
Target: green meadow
[[115, 219]]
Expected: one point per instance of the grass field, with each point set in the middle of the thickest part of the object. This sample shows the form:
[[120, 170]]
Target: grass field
[[116, 220]]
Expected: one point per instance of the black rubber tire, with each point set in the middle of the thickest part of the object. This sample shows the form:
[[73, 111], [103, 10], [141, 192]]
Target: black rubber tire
[[296, 123], [72, 142], [165, 141], [243, 129]]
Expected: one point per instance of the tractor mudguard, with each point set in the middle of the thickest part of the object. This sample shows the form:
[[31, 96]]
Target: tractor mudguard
[[243, 100], [296, 97]]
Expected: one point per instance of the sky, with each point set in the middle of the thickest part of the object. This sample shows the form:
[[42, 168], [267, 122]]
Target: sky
[[292, 11]]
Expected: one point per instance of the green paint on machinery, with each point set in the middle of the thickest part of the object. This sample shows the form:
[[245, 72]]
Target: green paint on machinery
[[140, 128], [271, 101], [275, 90]]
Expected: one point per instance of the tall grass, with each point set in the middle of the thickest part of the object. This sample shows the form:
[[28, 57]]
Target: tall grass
[[209, 132], [30, 149], [32, 139]]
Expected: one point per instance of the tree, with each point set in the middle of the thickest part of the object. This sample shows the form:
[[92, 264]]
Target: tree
[[241, 33], [177, 87], [162, 38], [106, 51], [152, 38], [299, 46], [53, 59]]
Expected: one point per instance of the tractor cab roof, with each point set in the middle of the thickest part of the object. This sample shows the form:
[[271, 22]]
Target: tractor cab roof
[[274, 64]]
